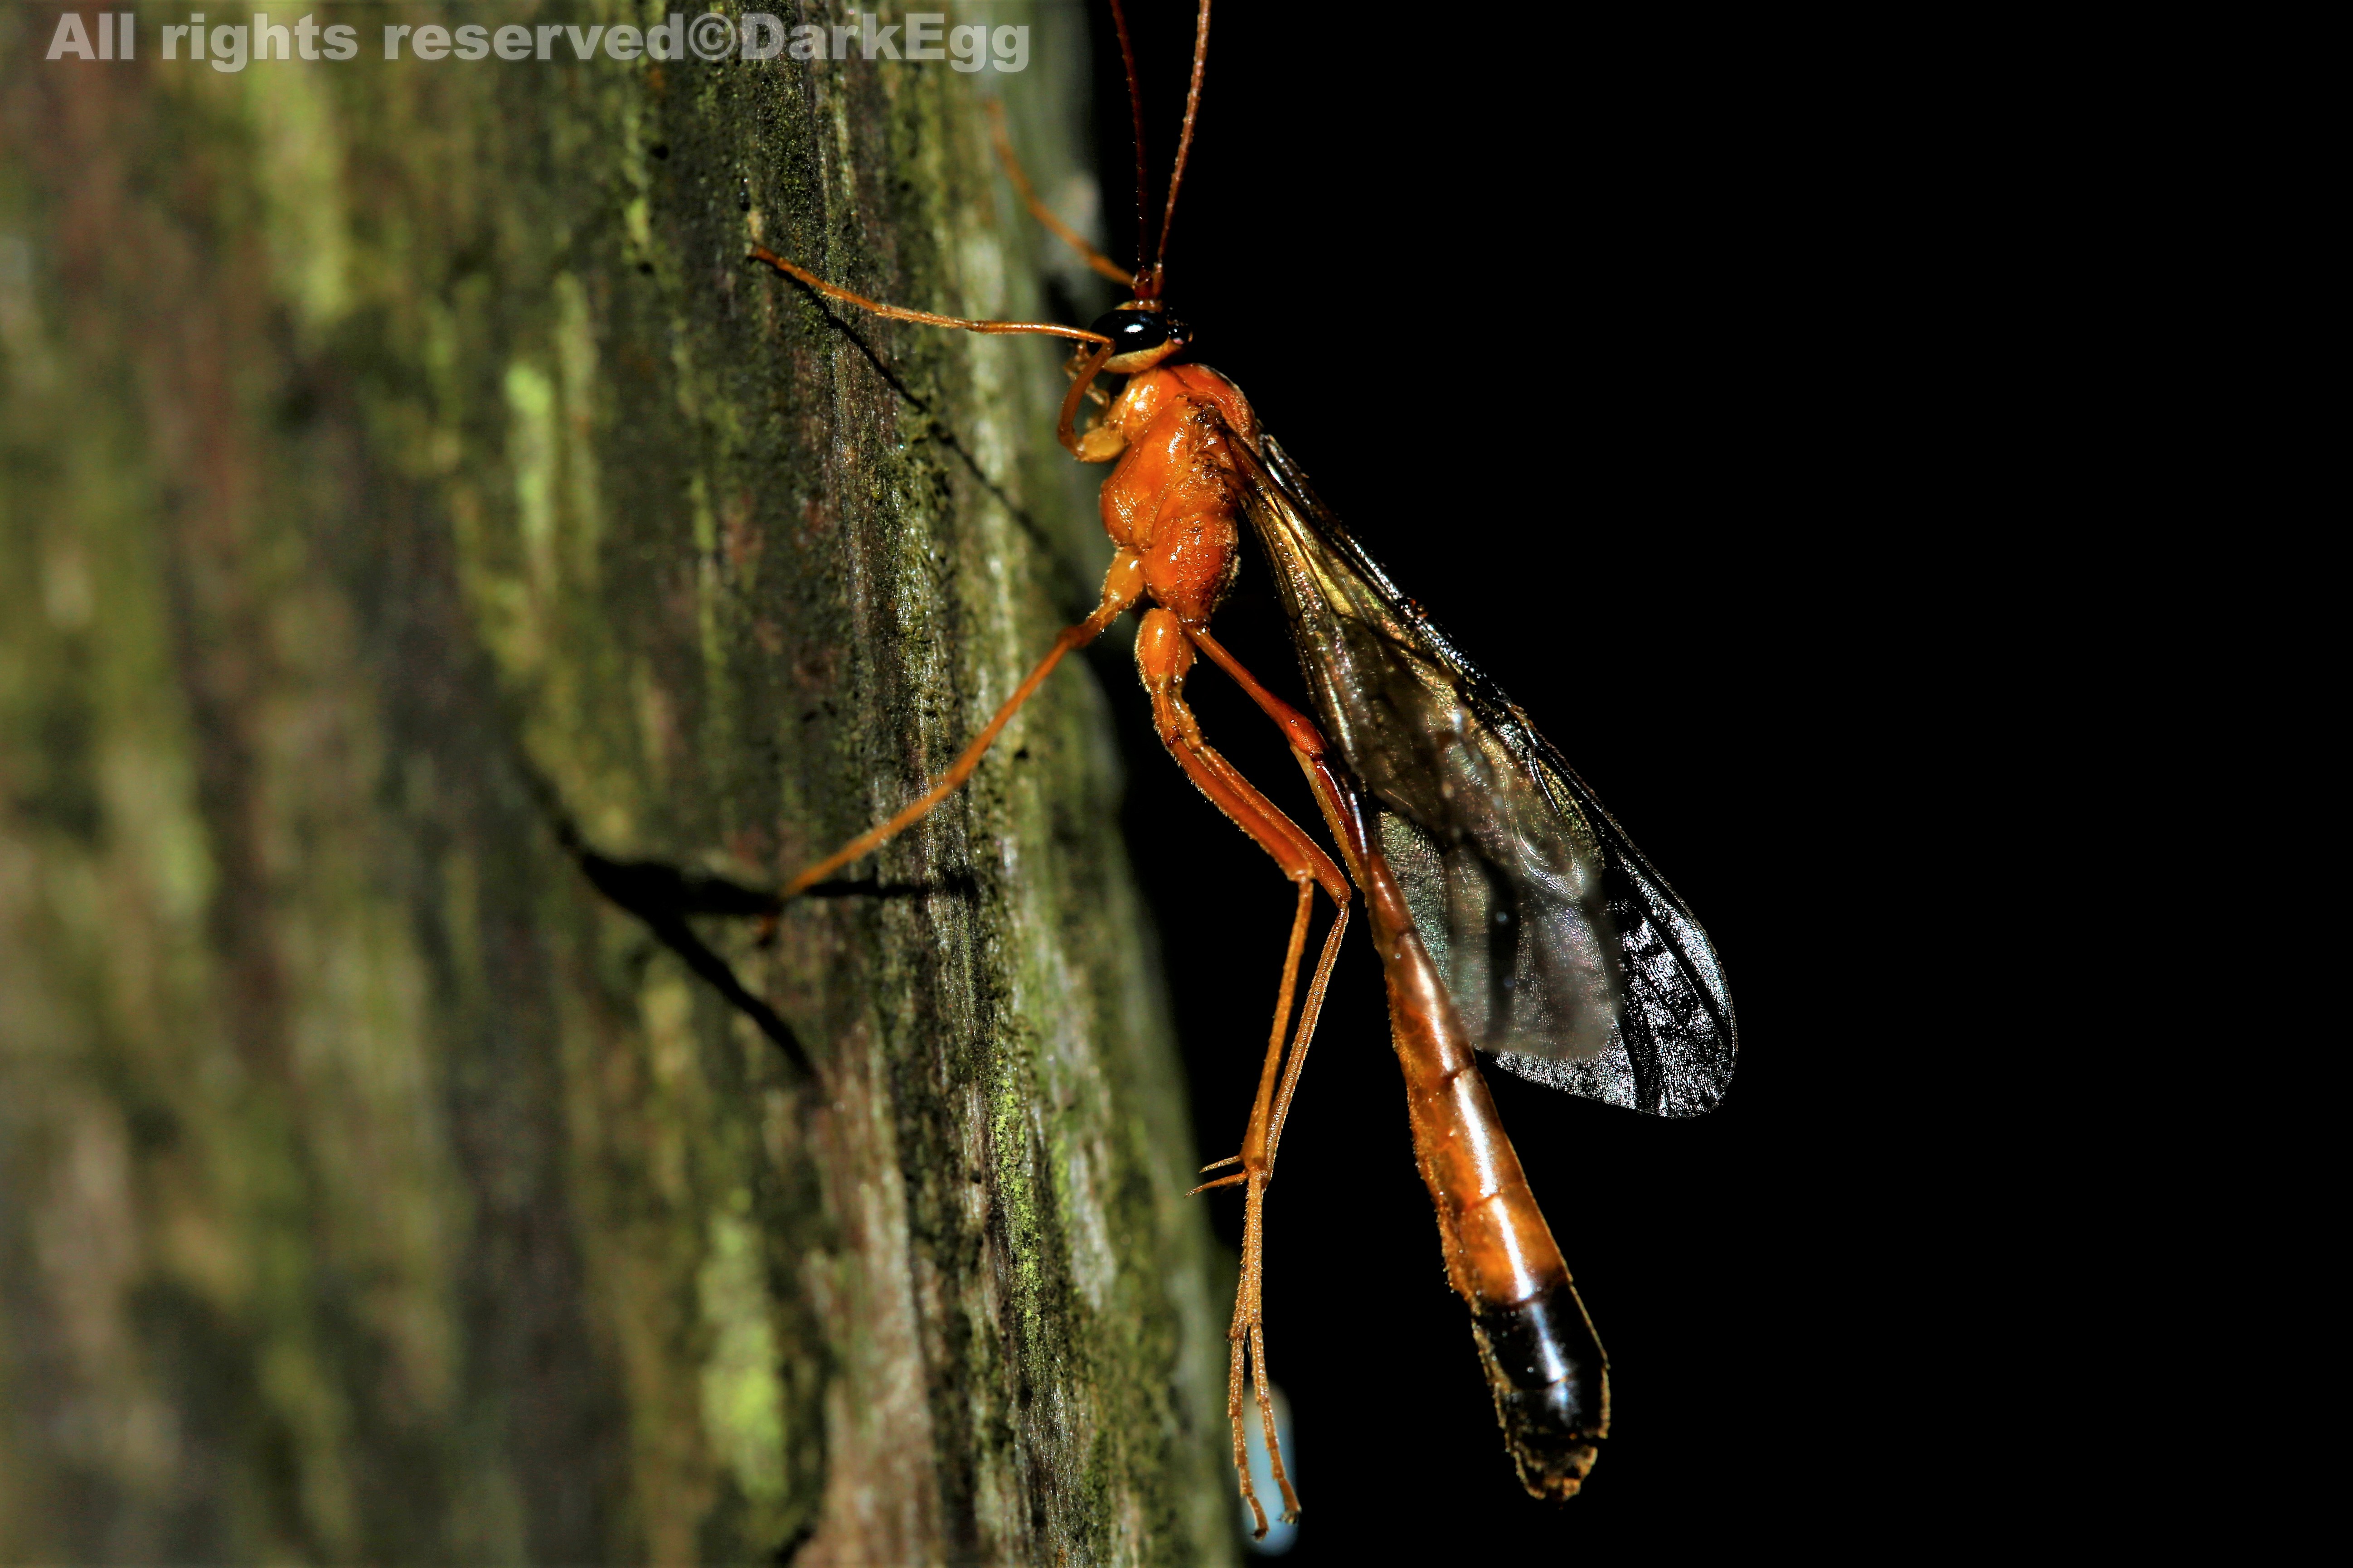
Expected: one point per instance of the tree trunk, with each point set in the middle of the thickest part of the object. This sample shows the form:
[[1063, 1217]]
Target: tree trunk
[[419, 518]]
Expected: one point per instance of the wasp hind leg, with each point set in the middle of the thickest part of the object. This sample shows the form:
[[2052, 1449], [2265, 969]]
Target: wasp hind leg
[[1164, 657]]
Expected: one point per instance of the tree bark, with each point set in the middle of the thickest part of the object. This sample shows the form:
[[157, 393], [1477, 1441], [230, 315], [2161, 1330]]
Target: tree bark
[[419, 517]]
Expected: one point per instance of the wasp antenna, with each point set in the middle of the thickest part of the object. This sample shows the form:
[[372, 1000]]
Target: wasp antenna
[[1146, 285], [1185, 138], [930, 318], [1041, 211]]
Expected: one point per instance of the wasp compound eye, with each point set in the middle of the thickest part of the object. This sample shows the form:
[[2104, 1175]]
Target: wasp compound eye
[[1132, 331], [1139, 339]]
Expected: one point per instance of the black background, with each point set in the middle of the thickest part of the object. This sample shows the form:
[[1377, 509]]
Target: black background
[[1590, 336]]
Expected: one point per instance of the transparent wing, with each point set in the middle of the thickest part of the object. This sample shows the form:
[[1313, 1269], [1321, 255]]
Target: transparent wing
[[1566, 956]]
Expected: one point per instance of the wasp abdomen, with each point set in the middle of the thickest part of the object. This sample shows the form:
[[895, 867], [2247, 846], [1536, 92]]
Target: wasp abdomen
[[1551, 1383]]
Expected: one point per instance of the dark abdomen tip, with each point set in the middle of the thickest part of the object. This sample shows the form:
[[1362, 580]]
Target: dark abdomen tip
[[1551, 1383]]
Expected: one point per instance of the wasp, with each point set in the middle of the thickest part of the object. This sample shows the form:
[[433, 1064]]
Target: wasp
[[1512, 915]]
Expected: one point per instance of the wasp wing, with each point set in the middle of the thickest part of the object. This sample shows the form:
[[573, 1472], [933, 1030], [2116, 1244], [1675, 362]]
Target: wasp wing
[[1566, 954]]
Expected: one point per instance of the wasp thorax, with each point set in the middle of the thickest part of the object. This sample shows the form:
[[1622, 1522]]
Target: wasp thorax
[[1139, 339]]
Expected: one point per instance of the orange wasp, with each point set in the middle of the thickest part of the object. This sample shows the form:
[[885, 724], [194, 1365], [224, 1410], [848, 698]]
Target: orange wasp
[[1511, 913]]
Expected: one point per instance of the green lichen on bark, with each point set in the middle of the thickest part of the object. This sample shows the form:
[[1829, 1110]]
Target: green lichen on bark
[[398, 456]]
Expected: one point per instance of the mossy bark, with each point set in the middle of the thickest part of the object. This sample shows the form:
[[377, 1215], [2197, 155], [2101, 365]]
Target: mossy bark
[[402, 469]]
